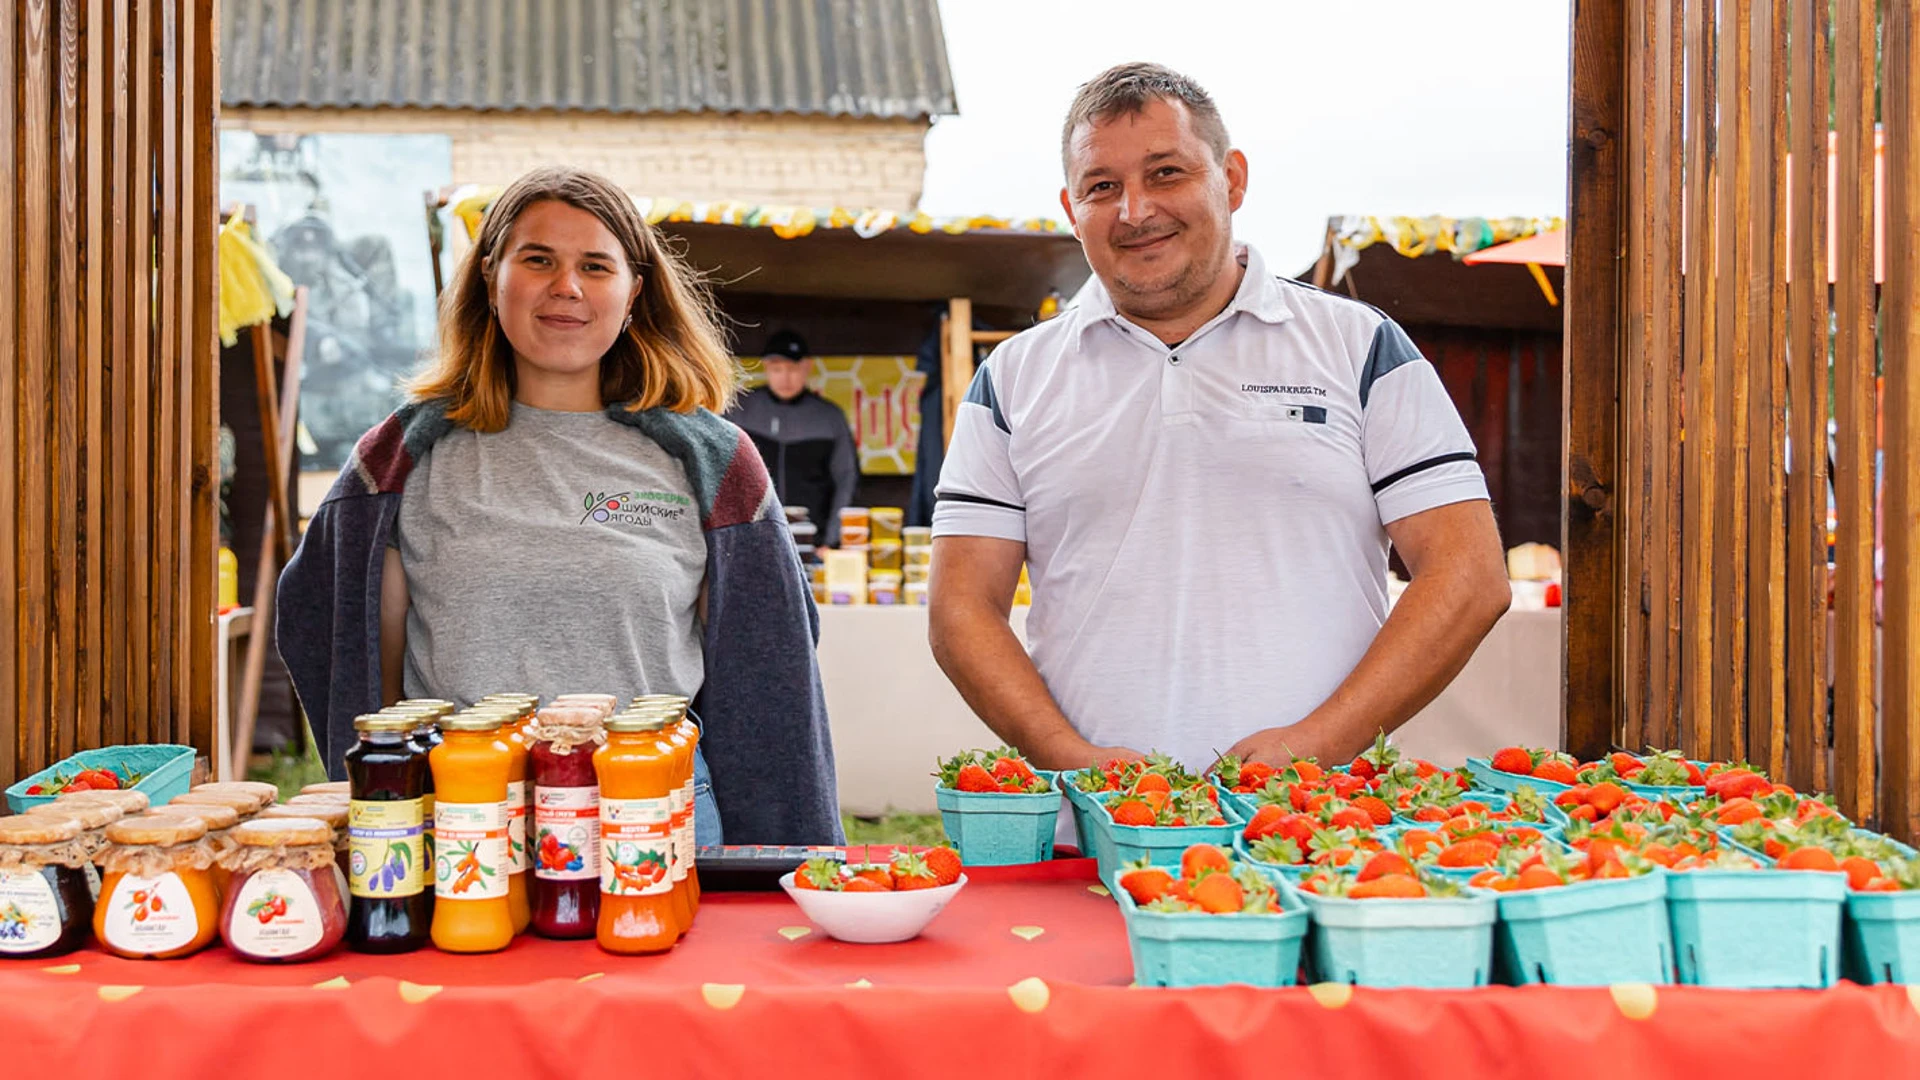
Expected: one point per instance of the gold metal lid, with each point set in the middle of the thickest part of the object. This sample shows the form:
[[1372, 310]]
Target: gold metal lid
[[439, 705], [473, 721], [631, 721], [385, 722]]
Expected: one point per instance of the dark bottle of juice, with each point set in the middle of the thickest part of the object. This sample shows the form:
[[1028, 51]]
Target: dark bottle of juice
[[565, 840], [389, 864], [426, 735]]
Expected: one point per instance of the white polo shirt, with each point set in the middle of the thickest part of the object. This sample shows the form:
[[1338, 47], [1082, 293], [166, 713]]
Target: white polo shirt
[[1204, 523]]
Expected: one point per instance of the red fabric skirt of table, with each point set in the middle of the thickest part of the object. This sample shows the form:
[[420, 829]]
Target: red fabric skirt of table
[[1026, 973]]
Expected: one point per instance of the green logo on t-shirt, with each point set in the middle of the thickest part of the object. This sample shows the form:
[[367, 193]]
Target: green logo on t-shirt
[[634, 507]]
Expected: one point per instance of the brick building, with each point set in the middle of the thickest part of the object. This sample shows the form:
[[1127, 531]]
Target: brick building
[[780, 102]]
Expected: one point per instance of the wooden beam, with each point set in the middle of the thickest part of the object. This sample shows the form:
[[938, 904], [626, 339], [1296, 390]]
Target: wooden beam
[[1900, 304], [1664, 366], [956, 361], [1700, 433], [1853, 358], [1590, 691]]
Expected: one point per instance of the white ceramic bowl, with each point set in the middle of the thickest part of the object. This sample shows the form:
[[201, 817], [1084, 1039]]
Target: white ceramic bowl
[[871, 918]]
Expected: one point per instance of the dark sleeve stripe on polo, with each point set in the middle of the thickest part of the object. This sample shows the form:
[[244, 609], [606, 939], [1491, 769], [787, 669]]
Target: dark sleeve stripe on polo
[[961, 496], [1391, 348], [1419, 467], [980, 392]]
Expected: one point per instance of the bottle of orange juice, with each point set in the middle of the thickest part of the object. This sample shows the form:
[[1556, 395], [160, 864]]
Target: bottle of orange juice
[[471, 913], [684, 734], [636, 773]]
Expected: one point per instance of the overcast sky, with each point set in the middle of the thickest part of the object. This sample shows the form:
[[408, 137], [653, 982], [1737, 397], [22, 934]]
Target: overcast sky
[[1380, 107]]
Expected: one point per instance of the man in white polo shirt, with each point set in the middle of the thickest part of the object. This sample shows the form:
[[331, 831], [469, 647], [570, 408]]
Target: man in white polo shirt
[[1203, 465]]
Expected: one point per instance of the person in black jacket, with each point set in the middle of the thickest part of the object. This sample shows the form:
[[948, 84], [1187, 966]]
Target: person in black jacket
[[803, 437]]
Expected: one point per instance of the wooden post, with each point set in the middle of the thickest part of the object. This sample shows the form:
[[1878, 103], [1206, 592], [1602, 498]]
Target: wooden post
[[1590, 695], [1900, 786], [956, 361]]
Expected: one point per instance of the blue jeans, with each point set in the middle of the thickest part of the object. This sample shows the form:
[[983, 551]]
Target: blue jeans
[[706, 812]]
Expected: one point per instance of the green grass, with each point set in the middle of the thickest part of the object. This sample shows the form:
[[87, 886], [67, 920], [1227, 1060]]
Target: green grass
[[919, 830], [288, 771]]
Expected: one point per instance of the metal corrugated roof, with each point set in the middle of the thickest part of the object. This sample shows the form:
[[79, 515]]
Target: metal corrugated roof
[[867, 58]]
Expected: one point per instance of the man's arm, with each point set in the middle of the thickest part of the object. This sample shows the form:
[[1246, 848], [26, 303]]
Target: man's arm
[[971, 596], [1459, 590]]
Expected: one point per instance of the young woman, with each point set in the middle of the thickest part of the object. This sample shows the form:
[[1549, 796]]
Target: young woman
[[559, 508]]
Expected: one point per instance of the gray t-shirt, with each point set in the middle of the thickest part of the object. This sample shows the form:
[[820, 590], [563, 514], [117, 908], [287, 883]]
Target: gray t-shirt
[[563, 554]]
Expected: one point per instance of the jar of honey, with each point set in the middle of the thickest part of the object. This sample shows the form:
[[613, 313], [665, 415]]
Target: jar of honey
[[45, 902], [471, 912], [285, 904], [157, 896], [636, 773], [94, 816]]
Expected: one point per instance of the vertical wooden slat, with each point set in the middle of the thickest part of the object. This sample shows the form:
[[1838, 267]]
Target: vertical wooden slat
[[204, 88], [11, 354], [139, 479], [1634, 458], [1732, 284], [63, 636], [163, 602], [1853, 67], [1590, 691], [1900, 792], [116, 577], [93, 631], [1664, 369], [1700, 430], [34, 228], [1766, 381]]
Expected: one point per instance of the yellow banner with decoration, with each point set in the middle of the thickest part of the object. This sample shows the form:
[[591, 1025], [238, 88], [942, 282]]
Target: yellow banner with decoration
[[881, 397]]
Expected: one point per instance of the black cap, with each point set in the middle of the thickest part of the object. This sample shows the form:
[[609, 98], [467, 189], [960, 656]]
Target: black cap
[[786, 345]]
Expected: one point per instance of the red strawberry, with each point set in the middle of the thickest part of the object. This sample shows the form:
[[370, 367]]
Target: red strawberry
[[1555, 769], [911, 872], [944, 862], [1201, 858], [875, 873], [975, 778], [1513, 759], [1376, 809], [1265, 821], [1352, 817], [1146, 883], [1012, 768], [1132, 812]]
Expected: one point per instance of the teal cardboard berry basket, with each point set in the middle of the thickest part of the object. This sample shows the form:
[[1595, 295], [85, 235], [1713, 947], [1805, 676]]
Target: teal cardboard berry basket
[[1883, 937], [1432, 943], [1588, 933], [168, 772], [1192, 949], [993, 828], [1161, 844], [1756, 928]]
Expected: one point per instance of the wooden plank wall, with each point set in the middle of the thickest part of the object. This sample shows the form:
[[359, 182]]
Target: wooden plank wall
[[1699, 300], [107, 500]]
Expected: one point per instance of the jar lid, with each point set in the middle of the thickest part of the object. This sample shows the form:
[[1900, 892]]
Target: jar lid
[[90, 815], [427, 703], [328, 787], [384, 722], [333, 813], [282, 832], [241, 803], [608, 700], [318, 798], [473, 721], [129, 802], [42, 827], [509, 695], [263, 793], [156, 829], [628, 722], [217, 815]]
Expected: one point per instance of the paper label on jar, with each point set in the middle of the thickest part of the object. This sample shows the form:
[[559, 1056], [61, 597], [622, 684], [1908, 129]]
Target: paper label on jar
[[566, 827], [682, 813], [386, 844], [693, 835], [636, 846], [470, 850], [426, 842], [29, 912], [150, 915], [276, 914], [93, 881], [517, 826]]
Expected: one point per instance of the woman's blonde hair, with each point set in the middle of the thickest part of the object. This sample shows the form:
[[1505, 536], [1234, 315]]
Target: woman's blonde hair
[[673, 354]]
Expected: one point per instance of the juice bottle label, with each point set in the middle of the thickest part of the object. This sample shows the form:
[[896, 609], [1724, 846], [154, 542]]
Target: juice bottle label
[[275, 915], [517, 861], [29, 912], [682, 813], [566, 827], [426, 842], [470, 850], [693, 837], [386, 848], [636, 846], [150, 915], [93, 881]]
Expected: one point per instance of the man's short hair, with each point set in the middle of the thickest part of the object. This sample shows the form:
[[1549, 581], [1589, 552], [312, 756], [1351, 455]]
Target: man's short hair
[[1128, 89]]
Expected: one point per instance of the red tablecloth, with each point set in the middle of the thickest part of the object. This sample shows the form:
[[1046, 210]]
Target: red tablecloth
[[970, 998]]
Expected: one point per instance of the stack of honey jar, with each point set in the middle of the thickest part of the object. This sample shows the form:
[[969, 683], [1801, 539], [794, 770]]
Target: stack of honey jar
[[460, 828]]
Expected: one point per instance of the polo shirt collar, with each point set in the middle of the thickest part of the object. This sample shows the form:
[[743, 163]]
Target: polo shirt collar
[[1259, 296]]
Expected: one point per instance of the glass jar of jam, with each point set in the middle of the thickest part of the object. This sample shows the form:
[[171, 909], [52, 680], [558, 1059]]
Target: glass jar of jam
[[470, 769], [46, 905], [389, 871], [125, 800], [220, 820], [157, 897], [94, 816], [566, 821], [328, 787], [636, 773], [259, 793], [334, 815], [285, 905]]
